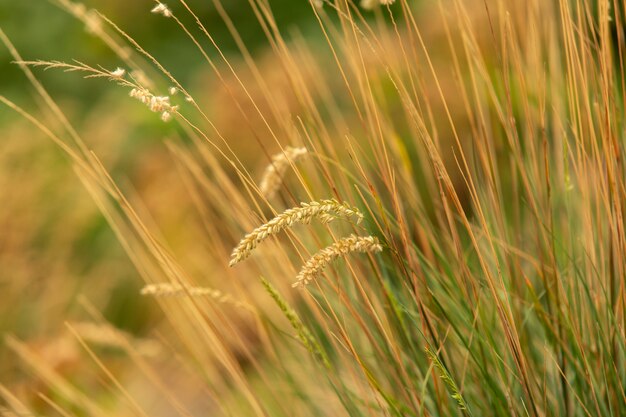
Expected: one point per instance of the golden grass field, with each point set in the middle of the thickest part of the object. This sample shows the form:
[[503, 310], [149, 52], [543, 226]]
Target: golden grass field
[[374, 208]]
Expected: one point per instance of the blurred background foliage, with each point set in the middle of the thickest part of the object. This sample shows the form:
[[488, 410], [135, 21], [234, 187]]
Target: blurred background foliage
[[56, 249], [41, 30], [54, 243]]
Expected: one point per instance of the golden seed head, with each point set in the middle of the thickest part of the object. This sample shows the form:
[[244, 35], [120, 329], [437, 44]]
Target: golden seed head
[[273, 175], [314, 266], [157, 104], [324, 210], [167, 289]]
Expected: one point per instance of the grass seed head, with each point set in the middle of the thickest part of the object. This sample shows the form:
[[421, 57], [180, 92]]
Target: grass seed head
[[167, 289], [314, 266], [118, 73], [161, 8], [273, 175], [157, 104], [324, 210]]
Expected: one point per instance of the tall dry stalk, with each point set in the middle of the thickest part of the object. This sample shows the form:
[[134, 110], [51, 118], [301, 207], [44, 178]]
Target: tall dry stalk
[[483, 144]]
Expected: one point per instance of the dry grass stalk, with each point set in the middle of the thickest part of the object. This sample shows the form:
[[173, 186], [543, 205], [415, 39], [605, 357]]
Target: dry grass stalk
[[89, 71], [324, 210], [273, 175], [510, 259], [342, 247], [167, 289]]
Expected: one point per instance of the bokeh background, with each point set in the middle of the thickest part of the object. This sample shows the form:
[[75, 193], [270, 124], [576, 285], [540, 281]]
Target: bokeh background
[[60, 261], [57, 252]]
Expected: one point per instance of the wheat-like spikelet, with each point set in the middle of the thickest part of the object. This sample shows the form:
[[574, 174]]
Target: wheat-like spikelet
[[342, 247], [167, 289], [273, 175], [447, 378], [324, 210], [304, 334], [369, 4]]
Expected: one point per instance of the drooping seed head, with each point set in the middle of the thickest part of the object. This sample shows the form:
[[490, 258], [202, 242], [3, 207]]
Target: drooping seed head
[[324, 210], [318, 262], [273, 175]]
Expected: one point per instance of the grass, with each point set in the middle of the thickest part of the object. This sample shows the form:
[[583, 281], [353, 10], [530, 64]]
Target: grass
[[481, 141]]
